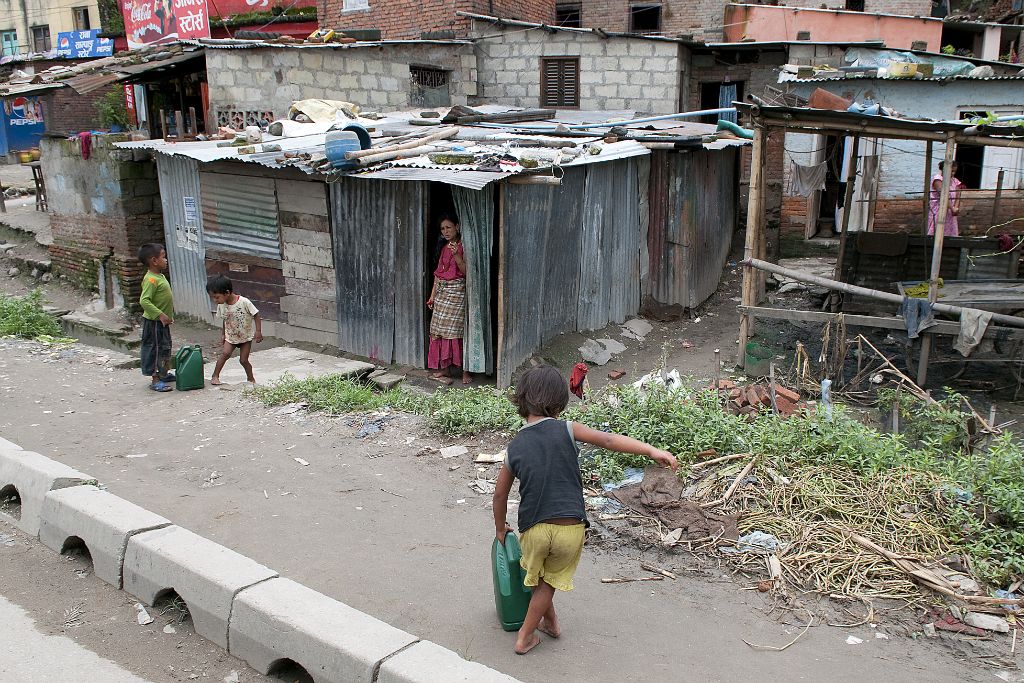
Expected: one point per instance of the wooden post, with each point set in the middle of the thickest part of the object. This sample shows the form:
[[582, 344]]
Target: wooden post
[[755, 211], [926, 197], [940, 232], [851, 180], [3, 198], [999, 195]]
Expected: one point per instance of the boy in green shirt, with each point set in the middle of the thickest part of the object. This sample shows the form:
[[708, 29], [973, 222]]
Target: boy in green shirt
[[157, 315]]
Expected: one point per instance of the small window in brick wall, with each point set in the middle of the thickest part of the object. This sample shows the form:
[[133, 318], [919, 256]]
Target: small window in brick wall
[[645, 18], [569, 14], [429, 87], [560, 82]]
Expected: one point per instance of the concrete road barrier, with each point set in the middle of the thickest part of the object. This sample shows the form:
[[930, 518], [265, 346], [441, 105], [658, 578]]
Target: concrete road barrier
[[101, 520], [427, 662], [6, 445], [32, 476], [205, 574], [283, 620]]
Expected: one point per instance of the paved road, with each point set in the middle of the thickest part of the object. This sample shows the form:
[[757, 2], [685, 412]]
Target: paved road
[[28, 654], [403, 537]]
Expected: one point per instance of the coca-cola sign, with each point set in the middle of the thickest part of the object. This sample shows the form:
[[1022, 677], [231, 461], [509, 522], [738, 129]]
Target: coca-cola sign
[[150, 22]]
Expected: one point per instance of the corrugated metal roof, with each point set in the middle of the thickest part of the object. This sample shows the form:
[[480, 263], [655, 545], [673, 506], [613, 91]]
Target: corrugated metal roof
[[473, 180], [86, 83], [786, 77], [28, 88]]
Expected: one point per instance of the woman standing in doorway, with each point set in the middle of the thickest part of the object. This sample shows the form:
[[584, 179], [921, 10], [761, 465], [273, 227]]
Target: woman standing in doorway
[[952, 226], [448, 302]]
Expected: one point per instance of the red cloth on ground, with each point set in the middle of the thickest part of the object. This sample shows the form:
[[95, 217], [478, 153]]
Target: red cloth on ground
[[579, 373], [444, 353]]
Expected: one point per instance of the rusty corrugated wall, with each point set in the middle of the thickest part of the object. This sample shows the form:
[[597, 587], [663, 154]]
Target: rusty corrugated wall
[[378, 255], [692, 220]]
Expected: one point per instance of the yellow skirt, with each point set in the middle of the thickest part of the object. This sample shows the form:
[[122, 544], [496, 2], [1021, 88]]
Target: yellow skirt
[[552, 552]]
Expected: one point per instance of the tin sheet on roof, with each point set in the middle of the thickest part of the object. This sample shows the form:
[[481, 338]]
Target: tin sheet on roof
[[86, 83]]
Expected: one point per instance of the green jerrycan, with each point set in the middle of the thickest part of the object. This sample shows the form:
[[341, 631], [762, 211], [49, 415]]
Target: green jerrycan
[[511, 597], [188, 363]]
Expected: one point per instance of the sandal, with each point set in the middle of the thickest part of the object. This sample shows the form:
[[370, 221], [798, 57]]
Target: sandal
[[160, 386], [169, 378]]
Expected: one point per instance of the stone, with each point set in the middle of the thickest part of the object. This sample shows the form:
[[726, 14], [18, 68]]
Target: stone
[[614, 347], [205, 574], [639, 327], [101, 520], [13, 272], [594, 353], [988, 622], [387, 381], [281, 619], [616, 374], [453, 451]]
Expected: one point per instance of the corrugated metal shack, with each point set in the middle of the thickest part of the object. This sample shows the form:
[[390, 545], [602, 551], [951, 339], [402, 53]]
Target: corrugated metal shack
[[345, 259]]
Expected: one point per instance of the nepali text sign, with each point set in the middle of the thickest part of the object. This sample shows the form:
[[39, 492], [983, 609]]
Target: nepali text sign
[[149, 22], [79, 44]]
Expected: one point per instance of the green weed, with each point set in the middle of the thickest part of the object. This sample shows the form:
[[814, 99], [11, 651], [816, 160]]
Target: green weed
[[23, 316]]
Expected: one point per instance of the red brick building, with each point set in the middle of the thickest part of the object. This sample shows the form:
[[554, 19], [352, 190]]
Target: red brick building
[[397, 19]]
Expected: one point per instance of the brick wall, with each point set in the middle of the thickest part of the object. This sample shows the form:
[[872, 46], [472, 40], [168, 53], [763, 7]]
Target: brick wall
[[615, 73], [907, 215], [102, 209], [68, 113], [413, 18], [704, 18], [374, 78]]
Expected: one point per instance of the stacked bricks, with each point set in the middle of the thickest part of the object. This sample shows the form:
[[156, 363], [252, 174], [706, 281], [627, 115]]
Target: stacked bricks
[[375, 78], [752, 399], [615, 73], [413, 18], [68, 112], [102, 209]]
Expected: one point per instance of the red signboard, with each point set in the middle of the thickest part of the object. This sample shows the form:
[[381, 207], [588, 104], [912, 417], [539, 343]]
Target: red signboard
[[229, 8], [149, 22], [129, 103]]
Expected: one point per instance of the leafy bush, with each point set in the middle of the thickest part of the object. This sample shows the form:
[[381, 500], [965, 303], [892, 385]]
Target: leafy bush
[[464, 412], [23, 316], [112, 110]]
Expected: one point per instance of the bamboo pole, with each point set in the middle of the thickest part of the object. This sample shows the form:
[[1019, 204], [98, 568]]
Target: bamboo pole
[[926, 199], [755, 211], [399, 154], [799, 275], [851, 180], [940, 231]]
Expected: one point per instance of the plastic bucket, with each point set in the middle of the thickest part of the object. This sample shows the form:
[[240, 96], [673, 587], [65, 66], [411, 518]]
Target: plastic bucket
[[337, 143]]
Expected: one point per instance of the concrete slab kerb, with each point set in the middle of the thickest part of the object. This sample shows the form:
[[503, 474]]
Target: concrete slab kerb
[[31, 476], [234, 601], [205, 574], [101, 520]]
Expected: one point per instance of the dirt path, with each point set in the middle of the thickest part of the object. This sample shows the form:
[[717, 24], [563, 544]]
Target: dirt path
[[404, 538]]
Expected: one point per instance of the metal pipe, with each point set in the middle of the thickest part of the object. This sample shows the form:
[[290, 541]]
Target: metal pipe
[[612, 124]]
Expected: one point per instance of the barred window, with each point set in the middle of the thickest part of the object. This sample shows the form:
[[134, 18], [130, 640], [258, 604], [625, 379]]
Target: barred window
[[429, 87]]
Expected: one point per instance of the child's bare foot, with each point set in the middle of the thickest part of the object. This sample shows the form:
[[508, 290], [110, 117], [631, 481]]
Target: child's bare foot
[[467, 378], [215, 381], [550, 627], [443, 380], [522, 649]]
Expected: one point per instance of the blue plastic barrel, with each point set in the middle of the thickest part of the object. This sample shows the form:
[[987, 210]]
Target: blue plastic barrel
[[337, 143]]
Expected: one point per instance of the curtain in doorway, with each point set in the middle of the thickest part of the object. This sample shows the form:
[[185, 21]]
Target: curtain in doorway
[[726, 96], [476, 217]]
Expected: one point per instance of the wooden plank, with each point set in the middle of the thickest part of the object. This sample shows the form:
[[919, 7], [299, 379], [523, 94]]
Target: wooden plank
[[316, 308], [943, 327], [302, 271], [247, 259], [309, 288], [312, 323], [308, 238], [309, 197], [851, 180], [312, 256], [304, 221]]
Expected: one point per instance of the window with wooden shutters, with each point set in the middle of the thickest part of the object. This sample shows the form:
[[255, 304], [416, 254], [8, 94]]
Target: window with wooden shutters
[[560, 82]]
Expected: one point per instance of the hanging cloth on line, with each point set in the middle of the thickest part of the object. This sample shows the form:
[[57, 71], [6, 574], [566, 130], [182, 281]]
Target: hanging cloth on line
[[807, 179]]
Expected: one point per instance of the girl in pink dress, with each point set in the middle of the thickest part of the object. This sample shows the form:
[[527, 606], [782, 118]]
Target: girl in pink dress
[[952, 226], [448, 302]]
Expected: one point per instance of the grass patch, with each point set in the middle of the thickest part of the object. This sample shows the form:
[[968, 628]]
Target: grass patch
[[23, 316], [454, 412]]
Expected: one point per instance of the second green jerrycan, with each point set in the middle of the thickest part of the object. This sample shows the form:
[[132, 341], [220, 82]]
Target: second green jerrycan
[[511, 597], [188, 363]]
